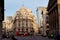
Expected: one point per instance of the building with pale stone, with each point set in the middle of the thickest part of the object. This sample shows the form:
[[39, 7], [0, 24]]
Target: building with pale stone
[[39, 16], [42, 19], [25, 21], [45, 21], [7, 23]]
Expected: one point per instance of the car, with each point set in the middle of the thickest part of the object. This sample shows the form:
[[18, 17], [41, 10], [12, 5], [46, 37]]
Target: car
[[51, 35], [26, 34], [4, 36], [57, 37]]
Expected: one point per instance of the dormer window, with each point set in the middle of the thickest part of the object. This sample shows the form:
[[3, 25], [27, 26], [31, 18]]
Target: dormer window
[[17, 17]]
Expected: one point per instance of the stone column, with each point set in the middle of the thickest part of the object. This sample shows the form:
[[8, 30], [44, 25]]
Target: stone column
[[59, 24], [44, 24], [59, 16], [29, 26], [0, 23], [0, 29], [20, 26]]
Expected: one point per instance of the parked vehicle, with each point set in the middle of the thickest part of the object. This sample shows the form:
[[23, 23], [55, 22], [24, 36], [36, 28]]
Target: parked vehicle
[[57, 37], [51, 35], [13, 37], [22, 34], [4, 36], [26, 34]]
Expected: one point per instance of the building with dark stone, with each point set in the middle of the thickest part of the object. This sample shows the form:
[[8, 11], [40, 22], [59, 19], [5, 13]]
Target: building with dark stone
[[54, 16], [1, 15]]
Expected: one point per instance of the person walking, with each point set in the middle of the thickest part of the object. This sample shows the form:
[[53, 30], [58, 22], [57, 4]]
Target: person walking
[[13, 38]]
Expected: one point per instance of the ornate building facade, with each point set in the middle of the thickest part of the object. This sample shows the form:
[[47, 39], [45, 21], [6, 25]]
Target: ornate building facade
[[24, 21], [7, 24]]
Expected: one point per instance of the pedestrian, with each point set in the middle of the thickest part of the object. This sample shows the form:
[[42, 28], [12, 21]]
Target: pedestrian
[[13, 38], [47, 32]]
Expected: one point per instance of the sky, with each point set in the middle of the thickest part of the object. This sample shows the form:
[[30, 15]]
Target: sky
[[11, 6]]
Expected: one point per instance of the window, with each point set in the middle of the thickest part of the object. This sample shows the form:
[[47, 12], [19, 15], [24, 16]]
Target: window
[[46, 17], [41, 27], [17, 12], [19, 24], [47, 26], [31, 11], [19, 29], [47, 21]]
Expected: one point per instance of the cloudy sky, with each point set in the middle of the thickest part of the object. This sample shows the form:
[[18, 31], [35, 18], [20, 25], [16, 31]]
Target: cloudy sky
[[11, 6]]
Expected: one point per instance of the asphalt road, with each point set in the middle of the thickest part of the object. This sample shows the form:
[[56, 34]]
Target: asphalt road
[[31, 38]]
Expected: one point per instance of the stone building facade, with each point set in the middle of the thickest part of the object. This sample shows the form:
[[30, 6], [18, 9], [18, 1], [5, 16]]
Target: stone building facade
[[24, 21], [54, 16], [42, 19], [45, 21], [1, 15], [7, 24], [39, 16]]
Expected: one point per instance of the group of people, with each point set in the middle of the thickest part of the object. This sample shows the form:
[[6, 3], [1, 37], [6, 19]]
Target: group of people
[[8, 36], [13, 37]]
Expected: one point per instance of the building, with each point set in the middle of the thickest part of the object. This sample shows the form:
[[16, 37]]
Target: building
[[1, 16], [24, 21], [7, 24], [42, 18], [45, 21], [54, 16], [39, 16], [4, 25]]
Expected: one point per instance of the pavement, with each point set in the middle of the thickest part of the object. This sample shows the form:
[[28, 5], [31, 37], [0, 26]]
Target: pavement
[[31, 38]]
